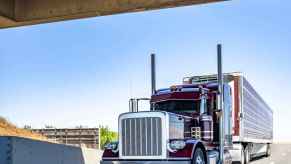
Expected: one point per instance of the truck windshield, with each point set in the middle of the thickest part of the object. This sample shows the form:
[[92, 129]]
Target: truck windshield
[[174, 106]]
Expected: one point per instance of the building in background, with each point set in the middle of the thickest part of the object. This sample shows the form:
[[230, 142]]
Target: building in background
[[84, 137]]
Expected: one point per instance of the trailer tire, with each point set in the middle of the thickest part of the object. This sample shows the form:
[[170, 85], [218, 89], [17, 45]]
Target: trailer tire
[[268, 152], [198, 157], [247, 155], [243, 157]]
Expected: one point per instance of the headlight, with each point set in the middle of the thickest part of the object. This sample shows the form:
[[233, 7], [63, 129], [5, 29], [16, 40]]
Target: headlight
[[176, 145], [113, 146]]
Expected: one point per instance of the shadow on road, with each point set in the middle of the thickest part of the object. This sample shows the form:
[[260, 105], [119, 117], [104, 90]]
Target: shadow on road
[[259, 158]]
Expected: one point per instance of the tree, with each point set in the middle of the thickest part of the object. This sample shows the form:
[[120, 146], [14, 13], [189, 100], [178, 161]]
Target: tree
[[107, 136]]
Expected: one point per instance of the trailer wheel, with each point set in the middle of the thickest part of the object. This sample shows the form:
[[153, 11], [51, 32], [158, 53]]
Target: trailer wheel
[[268, 152], [247, 155], [198, 157], [243, 157]]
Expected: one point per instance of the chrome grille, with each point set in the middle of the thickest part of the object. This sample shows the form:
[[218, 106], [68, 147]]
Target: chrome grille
[[141, 136]]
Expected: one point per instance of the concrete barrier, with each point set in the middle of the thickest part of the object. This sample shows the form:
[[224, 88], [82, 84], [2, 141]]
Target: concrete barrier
[[99, 155], [15, 150]]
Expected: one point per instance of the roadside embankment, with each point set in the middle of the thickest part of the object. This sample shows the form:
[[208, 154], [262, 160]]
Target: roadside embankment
[[8, 129]]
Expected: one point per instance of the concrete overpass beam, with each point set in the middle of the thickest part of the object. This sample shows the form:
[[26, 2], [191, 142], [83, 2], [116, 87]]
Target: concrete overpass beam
[[26, 12]]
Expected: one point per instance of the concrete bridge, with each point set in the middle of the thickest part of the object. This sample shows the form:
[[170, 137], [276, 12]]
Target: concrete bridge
[[15, 13]]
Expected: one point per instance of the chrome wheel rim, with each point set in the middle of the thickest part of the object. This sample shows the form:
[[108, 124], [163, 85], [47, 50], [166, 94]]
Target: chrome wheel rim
[[247, 155], [242, 157], [269, 151], [199, 160]]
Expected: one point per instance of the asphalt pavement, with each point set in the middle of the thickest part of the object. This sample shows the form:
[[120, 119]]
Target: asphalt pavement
[[281, 154]]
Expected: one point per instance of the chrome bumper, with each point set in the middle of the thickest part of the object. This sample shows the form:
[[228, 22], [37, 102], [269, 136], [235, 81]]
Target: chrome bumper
[[146, 162]]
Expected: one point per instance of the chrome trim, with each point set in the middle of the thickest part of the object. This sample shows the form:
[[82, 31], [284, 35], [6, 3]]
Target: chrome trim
[[170, 149], [257, 141], [173, 161], [149, 120]]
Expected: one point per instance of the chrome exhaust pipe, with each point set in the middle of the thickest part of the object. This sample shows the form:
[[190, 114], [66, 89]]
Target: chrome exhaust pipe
[[153, 78], [153, 73], [220, 102]]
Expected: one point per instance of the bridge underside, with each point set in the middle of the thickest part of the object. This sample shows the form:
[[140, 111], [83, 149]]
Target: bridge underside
[[15, 13]]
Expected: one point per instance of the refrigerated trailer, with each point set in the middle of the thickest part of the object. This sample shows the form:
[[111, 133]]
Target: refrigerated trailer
[[252, 118], [215, 119]]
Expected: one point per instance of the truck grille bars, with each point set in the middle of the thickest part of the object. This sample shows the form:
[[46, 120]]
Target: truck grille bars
[[141, 136]]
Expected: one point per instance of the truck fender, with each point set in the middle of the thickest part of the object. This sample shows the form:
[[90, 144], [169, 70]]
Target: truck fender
[[196, 144]]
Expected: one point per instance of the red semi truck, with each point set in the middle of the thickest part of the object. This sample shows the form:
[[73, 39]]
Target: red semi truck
[[207, 119]]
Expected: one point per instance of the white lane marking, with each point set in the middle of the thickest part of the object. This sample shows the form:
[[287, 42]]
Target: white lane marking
[[272, 162]]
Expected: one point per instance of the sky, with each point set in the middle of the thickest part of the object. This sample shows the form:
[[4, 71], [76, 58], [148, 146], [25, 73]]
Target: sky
[[83, 72]]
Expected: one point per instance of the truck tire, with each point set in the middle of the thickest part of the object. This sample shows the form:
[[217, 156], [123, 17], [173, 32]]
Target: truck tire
[[268, 152], [247, 155], [199, 157], [243, 157]]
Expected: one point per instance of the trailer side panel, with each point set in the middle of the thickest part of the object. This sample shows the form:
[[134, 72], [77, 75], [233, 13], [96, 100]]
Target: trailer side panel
[[257, 116]]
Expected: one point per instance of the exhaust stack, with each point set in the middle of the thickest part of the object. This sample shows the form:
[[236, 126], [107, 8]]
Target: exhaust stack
[[153, 77], [153, 73], [220, 102]]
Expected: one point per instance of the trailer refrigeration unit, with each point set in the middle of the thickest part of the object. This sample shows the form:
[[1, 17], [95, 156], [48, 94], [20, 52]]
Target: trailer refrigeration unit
[[211, 119]]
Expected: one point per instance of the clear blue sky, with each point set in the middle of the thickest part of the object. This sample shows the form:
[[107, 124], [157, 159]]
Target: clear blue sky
[[83, 72]]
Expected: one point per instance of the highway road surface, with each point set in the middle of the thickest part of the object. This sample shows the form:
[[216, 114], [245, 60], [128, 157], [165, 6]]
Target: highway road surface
[[281, 154]]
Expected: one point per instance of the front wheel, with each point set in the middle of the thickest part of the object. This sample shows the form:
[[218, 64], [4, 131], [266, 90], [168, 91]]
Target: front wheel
[[199, 157]]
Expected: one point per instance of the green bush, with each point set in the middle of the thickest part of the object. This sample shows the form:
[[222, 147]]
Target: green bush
[[107, 136]]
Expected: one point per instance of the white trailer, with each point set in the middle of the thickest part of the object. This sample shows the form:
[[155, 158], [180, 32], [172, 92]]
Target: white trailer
[[253, 122]]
